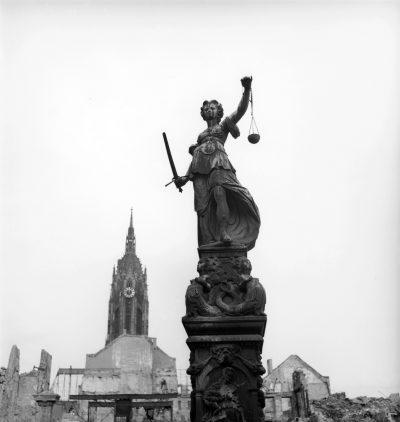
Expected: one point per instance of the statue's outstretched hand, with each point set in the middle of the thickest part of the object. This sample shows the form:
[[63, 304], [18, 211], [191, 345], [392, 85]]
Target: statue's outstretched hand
[[181, 181], [246, 82]]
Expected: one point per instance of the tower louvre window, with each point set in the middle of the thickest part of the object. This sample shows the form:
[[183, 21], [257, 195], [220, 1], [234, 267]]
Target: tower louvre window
[[128, 315], [139, 321], [116, 323]]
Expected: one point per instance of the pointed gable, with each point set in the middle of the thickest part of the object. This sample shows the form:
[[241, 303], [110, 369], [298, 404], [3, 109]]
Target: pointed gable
[[281, 378]]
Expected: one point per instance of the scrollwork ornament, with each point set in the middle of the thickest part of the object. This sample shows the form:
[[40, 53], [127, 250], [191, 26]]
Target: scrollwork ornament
[[225, 287]]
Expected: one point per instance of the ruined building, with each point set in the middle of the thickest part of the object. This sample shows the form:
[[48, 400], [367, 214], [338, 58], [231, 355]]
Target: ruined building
[[130, 378], [17, 390], [131, 374], [290, 387]]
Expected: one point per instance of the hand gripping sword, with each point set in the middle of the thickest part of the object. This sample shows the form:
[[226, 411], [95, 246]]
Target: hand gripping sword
[[171, 162]]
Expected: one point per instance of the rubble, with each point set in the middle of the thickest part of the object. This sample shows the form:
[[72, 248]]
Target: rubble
[[338, 407]]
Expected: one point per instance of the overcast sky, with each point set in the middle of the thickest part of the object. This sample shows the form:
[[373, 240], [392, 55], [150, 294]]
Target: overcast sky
[[88, 88]]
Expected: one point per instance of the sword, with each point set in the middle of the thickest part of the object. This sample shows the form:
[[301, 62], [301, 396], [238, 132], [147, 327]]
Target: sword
[[171, 162]]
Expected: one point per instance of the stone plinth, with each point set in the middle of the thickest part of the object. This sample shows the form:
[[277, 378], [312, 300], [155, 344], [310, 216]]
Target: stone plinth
[[225, 323]]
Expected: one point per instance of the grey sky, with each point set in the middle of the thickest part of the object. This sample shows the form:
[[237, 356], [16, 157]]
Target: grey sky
[[88, 89]]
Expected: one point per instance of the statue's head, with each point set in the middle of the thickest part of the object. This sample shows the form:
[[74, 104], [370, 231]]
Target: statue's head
[[211, 110], [245, 265]]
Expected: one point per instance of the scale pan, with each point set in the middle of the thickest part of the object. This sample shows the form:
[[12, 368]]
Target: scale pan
[[253, 138]]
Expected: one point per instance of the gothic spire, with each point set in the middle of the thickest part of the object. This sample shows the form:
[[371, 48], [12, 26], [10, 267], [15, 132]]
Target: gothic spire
[[130, 243], [128, 310]]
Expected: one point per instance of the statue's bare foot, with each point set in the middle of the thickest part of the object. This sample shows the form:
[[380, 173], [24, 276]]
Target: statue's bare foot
[[226, 239], [212, 244]]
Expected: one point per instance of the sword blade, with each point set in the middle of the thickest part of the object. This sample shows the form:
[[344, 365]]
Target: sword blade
[[171, 160]]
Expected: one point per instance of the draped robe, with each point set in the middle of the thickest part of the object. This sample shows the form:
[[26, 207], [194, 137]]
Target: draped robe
[[210, 167]]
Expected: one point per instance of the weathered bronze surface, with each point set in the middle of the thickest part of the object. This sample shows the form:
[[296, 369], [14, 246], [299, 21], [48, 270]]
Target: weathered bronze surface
[[227, 213], [225, 322], [225, 287], [225, 319], [225, 368]]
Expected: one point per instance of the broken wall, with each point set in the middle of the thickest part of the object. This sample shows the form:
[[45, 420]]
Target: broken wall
[[165, 378], [280, 379], [16, 390]]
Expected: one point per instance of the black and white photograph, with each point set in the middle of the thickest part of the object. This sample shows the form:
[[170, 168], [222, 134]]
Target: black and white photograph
[[200, 211]]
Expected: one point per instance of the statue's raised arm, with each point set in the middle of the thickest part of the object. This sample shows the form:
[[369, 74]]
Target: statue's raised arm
[[244, 102]]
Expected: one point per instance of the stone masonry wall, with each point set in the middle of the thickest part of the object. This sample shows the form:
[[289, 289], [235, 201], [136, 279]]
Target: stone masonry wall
[[164, 372], [280, 379], [9, 386], [16, 390]]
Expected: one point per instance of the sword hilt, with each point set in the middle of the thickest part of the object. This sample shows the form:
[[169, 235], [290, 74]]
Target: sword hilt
[[173, 181]]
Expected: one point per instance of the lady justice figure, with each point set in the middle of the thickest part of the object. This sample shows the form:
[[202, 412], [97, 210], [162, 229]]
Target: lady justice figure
[[227, 214]]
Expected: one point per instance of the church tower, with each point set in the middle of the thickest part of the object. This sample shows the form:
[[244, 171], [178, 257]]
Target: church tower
[[128, 308]]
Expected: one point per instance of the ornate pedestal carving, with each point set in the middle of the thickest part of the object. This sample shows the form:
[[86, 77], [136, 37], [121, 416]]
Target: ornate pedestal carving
[[225, 323]]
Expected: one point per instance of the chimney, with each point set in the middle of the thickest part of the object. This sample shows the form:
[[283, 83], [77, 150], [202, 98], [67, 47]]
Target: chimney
[[269, 366]]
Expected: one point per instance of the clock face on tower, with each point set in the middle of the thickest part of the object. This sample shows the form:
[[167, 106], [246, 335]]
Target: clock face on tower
[[129, 292]]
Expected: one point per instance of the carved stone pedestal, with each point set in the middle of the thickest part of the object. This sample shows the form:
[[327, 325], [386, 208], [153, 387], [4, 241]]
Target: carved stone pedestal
[[225, 323]]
